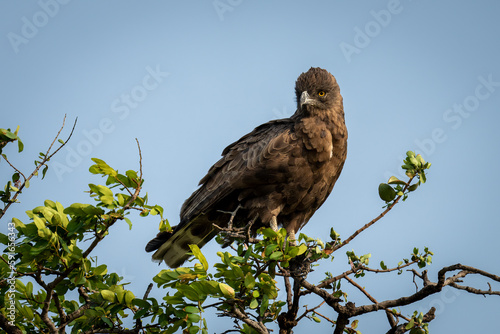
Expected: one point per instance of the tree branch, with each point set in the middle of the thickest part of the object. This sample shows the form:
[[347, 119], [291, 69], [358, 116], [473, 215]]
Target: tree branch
[[257, 325], [289, 293], [10, 329], [42, 163]]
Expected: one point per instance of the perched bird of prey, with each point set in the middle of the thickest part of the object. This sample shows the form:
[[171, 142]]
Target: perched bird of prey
[[277, 175]]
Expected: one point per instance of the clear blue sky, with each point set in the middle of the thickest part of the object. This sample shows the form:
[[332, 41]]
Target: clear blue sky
[[187, 79]]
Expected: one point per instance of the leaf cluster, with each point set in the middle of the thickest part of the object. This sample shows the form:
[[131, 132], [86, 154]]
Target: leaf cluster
[[414, 166]]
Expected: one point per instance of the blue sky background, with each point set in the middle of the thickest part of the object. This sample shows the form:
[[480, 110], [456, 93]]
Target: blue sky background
[[415, 75]]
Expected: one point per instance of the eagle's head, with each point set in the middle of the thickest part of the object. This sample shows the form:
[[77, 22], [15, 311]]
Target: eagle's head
[[317, 91]]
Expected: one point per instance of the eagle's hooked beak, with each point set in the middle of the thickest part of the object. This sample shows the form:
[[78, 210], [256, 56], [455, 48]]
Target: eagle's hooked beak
[[306, 99]]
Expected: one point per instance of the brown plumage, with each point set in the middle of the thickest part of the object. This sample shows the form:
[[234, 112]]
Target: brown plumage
[[280, 172]]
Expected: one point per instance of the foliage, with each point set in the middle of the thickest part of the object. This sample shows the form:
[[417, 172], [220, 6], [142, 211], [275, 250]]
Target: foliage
[[54, 284]]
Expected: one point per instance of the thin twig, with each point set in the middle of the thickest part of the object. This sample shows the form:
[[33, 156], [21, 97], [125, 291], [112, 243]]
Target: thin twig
[[326, 318], [42, 163], [355, 234], [139, 183], [310, 310], [360, 288], [17, 170]]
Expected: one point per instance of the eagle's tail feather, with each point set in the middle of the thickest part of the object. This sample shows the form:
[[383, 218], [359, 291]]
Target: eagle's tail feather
[[174, 250]]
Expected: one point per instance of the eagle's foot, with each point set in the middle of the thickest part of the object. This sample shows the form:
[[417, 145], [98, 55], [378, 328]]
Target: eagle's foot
[[291, 238], [274, 224]]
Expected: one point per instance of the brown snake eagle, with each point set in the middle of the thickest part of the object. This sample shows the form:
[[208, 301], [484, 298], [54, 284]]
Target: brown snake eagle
[[277, 175]]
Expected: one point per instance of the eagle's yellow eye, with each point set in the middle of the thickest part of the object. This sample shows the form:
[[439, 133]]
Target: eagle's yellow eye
[[321, 93]]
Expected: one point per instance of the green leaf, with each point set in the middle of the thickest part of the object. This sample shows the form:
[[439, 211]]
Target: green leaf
[[264, 305], [121, 199], [276, 255], [268, 232], [315, 318], [334, 235], [191, 293], [413, 187], [226, 290], [302, 249], [40, 224], [422, 178], [193, 329], [108, 295], [102, 168], [78, 209], [414, 162], [20, 145], [194, 317], [139, 302], [386, 192], [191, 309], [15, 177], [254, 303], [129, 222], [29, 288], [101, 270], [61, 141], [270, 248], [44, 171], [38, 248], [51, 204], [382, 265], [395, 180], [4, 239], [107, 199], [131, 174], [17, 223], [420, 160], [129, 297], [107, 321], [249, 281], [199, 255], [410, 324]]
